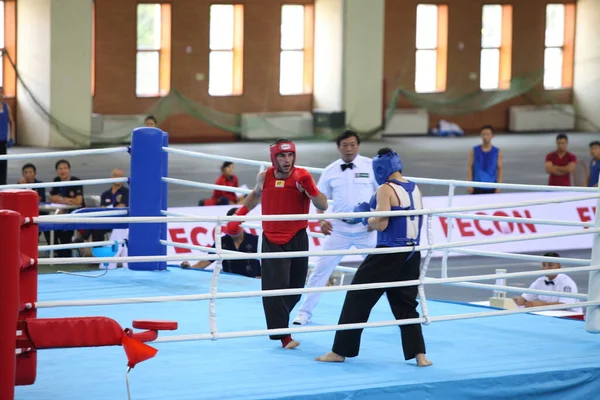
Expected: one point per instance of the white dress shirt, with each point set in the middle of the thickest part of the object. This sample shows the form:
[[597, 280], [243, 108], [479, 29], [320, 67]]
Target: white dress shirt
[[348, 188], [562, 284]]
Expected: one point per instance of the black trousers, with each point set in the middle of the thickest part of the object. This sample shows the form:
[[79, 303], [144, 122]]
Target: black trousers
[[283, 273], [483, 190], [3, 163], [63, 237], [378, 268]]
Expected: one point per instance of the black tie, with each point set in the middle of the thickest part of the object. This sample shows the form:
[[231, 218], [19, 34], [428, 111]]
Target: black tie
[[347, 165], [549, 282]]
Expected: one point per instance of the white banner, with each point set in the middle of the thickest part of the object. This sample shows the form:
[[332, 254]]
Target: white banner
[[202, 233]]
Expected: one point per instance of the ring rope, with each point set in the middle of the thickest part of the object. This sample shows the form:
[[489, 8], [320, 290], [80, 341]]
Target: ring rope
[[297, 217], [429, 181], [423, 273], [526, 257], [83, 245], [288, 292], [212, 312], [82, 182], [111, 213], [298, 254], [67, 153], [377, 324]]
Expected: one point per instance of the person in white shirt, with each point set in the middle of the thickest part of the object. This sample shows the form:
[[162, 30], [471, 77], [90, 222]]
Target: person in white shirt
[[348, 181], [559, 283]]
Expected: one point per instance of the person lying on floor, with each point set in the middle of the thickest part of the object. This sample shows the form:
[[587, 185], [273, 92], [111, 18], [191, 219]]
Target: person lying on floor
[[235, 241]]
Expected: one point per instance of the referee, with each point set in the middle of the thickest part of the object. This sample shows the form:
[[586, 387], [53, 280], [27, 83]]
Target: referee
[[348, 181]]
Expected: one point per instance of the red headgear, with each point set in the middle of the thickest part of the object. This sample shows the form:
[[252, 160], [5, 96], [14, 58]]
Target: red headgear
[[282, 147]]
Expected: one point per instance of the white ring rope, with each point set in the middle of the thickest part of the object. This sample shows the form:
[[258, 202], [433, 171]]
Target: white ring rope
[[298, 254], [288, 292], [378, 324], [212, 312], [67, 153], [297, 217], [429, 181], [212, 250], [531, 221], [525, 257], [82, 182], [423, 273], [82, 245], [108, 213]]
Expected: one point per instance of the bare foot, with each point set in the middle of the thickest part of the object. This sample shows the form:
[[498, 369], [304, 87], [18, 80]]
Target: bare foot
[[292, 344], [331, 357], [422, 361]]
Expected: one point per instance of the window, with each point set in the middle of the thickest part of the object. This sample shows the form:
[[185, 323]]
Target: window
[[153, 59], [432, 48], [296, 57], [496, 47], [559, 48], [226, 59]]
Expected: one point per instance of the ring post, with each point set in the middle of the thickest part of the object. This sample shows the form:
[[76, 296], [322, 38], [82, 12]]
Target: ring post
[[592, 314], [164, 191], [146, 197], [26, 203], [10, 226]]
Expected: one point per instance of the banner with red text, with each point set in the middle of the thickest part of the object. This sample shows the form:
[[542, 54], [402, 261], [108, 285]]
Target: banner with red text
[[202, 233]]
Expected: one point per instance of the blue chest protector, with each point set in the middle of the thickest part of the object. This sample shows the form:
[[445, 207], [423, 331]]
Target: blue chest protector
[[395, 234]]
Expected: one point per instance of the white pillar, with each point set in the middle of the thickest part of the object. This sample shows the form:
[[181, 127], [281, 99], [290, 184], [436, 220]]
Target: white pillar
[[587, 64], [349, 37], [54, 53]]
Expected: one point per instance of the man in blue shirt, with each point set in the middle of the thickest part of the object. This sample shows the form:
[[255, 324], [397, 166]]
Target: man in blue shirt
[[485, 163], [242, 242], [594, 170], [7, 134]]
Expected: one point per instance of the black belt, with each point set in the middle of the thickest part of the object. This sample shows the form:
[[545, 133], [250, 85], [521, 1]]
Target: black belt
[[350, 221]]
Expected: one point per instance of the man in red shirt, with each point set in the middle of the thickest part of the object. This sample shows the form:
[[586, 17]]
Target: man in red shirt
[[560, 164], [227, 178], [282, 189]]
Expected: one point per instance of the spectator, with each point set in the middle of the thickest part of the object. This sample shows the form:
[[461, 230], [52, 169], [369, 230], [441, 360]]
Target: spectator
[[594, 169], [485, 163], [223, 197], [68, 195], [29, 173], [560, 283], [243, 242], [150, 122], [7, 134], [560, 164]]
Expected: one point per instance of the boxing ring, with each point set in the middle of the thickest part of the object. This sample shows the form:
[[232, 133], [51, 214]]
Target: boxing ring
[[516, 355]]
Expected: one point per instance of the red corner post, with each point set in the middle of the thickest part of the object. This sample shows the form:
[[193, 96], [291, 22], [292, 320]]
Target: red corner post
[[10, 227], [26, 203]]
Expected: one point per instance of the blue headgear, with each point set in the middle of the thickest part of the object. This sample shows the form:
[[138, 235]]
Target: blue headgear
[[385, 165]]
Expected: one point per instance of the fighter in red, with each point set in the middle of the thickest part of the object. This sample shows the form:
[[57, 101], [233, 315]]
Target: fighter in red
[[282, 189]]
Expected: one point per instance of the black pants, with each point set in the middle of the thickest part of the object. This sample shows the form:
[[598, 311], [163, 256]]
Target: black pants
[[483, 190], [3, 163], [63, 237], [283, 273], [378, 268]]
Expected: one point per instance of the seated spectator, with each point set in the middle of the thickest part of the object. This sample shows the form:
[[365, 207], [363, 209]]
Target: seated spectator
[[150, 122], [594, 169], [554, 282], [560, 164], [29, 173], [115, 197], [222, 197], [69, 195], [235, 241]]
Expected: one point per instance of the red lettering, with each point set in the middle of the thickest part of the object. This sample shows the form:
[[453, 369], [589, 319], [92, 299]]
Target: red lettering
[[585, 214], [462, 227], [199, 230], [511, 225], [444, 222], [178, 236], [521, 226], [477, 223], [314, 226]]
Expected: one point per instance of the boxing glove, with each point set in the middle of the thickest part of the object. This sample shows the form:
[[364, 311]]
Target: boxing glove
[[305, 179], [233, 227], [373, 201], [362, 207]]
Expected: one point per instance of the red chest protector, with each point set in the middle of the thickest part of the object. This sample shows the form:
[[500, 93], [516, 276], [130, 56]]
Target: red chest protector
[[281, 196]]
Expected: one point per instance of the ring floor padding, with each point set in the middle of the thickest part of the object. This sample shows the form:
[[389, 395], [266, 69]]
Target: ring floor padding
[[510, 357]]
